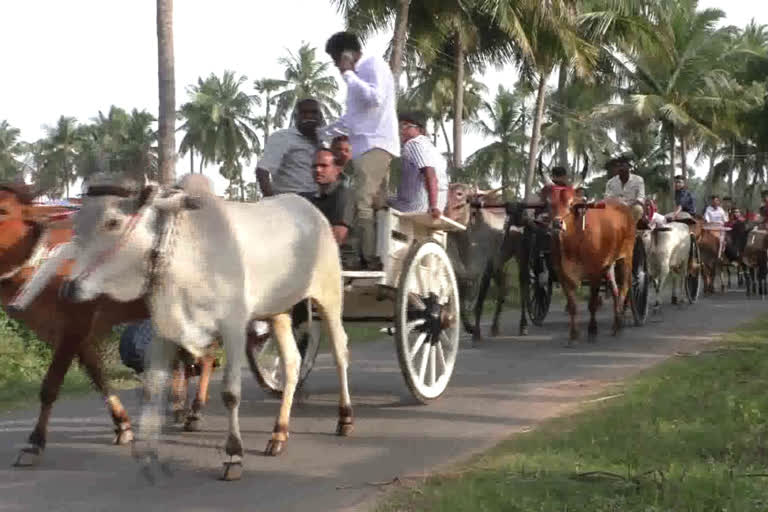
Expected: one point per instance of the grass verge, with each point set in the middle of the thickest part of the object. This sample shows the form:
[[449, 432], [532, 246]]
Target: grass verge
[[689, 435], [24, 360]]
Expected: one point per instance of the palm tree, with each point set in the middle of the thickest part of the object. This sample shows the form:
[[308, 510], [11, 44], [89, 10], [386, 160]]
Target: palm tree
[[10, 150], [268, 87], [219, 124], [680, 78], [62, 152], [166, 92], [306, 77], [505, 157]]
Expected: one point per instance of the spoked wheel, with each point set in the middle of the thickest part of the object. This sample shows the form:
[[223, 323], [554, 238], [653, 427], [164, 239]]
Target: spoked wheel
[[539, 285], [266, 364], [638, 293], [693, 280], [427, 320]]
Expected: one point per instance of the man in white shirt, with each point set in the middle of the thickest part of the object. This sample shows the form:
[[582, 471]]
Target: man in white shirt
[[370, 121], [715, 214], [625, 186], [423, 181]]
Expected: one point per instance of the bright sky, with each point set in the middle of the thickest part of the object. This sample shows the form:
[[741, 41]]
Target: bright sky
[[81, 56]]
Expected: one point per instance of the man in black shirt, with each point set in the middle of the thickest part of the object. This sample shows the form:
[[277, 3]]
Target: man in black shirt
[[333, 196]]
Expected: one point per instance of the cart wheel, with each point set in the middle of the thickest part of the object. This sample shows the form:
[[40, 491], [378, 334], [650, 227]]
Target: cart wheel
[[265, 361], [693, 278], [539, 285], [427, 320], [638, 293]]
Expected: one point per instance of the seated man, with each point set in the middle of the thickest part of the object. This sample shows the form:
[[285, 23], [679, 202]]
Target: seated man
[[343, 150], [333, 196], [715, 214], [286, 166], [560, 176], [625, 186], [423, 181], [580, 195], [685, 205]]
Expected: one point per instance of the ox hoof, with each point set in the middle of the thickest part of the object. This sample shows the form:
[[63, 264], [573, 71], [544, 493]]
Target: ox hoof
[[232, 471], [274, 448], [30, 456], [179, 416], [345, 428], [123, 437], [193, 425]]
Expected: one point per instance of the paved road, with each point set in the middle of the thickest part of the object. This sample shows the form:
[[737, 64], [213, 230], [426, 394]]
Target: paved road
[[504, 387]]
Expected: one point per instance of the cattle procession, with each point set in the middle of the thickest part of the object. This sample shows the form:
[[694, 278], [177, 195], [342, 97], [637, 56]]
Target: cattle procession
[[187, 270]]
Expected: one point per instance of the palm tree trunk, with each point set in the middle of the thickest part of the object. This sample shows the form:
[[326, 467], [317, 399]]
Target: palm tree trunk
[[683, 157], [673, 163], [458, 100], [192, 161], [401, 30], [731, 168], [562, 144], [167, 92], [266, 121], [535, 135], [709, 187], [201, 165], [505, 179], [447, 140]]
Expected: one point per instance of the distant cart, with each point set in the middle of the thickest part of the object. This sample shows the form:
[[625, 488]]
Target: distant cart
[[416, 290]]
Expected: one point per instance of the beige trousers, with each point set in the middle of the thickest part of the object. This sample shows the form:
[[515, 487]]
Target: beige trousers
[[371, 191]]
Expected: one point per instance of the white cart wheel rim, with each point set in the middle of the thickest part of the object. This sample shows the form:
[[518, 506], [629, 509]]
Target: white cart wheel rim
[[428, 361]]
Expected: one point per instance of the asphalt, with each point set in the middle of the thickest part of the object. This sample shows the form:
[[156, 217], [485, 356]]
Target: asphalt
[[508, 385]]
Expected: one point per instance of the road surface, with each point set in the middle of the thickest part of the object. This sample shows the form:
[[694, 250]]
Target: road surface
[[506, 386]]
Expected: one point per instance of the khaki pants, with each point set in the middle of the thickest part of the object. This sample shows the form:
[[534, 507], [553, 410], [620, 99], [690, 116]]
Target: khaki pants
[[371, 190]]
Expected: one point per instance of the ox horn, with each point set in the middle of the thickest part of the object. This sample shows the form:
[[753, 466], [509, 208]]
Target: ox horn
[[547, 180]]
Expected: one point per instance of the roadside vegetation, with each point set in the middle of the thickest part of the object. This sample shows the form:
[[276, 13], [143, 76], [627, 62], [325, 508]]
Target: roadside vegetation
[[24, 359], [689, 435]]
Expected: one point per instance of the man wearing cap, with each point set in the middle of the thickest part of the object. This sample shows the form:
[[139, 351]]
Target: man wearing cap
[[423, 180], [625, 186], [370, 121], [286, 166]]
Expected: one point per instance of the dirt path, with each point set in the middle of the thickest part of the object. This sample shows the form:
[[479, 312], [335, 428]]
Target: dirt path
[[506, 386]]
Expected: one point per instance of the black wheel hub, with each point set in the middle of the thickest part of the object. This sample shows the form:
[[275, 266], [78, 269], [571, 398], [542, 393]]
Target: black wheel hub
[[433, 317]]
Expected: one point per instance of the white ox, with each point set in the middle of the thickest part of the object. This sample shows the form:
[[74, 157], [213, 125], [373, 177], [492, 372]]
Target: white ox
[[208, 267], [668, 252]]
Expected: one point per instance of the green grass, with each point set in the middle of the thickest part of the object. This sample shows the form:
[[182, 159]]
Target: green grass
[[689, 435], [24, 360]]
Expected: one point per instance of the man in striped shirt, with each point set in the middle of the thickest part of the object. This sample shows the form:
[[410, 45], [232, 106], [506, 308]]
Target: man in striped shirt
[[423, 180]]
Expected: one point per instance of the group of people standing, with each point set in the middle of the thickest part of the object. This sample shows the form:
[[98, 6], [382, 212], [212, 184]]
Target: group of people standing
[[344, 167]]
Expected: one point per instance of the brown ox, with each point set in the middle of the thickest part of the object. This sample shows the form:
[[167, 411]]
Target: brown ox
[[71, 329], [479, 254], [712, 259], [588, 244]]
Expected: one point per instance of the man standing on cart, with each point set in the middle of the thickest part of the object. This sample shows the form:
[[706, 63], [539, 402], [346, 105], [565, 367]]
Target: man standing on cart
[[370, 121]]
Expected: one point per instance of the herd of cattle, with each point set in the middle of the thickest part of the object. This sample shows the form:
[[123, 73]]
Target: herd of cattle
[[199, 266]]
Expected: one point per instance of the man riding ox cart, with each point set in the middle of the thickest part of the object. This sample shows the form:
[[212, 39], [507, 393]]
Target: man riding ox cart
[[749, 242], [199, 264], [596, 242]]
